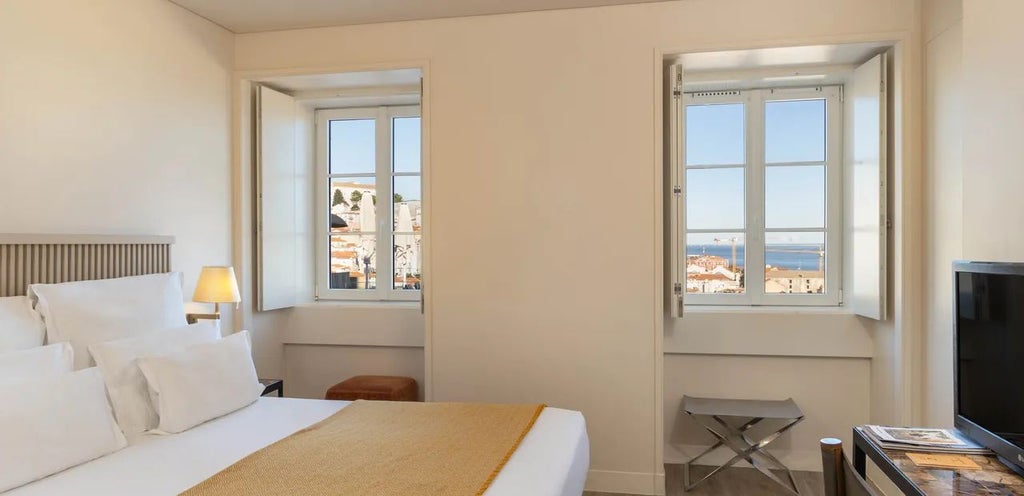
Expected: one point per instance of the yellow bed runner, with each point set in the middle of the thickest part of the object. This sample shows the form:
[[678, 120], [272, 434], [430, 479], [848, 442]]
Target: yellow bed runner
[[383, 448]]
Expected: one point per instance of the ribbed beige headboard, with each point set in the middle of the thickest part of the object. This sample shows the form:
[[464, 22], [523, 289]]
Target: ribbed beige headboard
[[49, 258]]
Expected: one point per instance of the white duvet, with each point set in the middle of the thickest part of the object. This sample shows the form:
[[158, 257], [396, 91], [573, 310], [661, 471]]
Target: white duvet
[[552, 460]]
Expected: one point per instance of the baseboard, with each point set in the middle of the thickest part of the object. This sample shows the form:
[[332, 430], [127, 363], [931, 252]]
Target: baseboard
[[794, 459], [609, 481]]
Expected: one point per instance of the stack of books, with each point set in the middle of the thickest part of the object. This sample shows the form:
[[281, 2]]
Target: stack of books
[[926, 440]]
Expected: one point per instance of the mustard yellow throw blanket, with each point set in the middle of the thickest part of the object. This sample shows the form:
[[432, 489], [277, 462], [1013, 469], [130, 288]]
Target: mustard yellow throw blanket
[[383, 448]]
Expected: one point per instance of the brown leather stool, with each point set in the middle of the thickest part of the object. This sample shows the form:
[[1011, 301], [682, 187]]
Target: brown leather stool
[[374, 387]]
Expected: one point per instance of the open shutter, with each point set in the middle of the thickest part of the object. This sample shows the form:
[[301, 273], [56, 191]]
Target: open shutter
[[867, 178], [675, 195], [276, 180]]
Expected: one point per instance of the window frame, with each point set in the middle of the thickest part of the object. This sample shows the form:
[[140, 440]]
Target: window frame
[[384, 175], [754, 231]]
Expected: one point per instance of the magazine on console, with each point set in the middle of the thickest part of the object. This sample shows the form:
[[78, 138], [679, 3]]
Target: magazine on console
[[922, 439]]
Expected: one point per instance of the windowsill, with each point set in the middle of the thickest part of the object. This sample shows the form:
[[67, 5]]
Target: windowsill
[[772, 309], [375, 304]]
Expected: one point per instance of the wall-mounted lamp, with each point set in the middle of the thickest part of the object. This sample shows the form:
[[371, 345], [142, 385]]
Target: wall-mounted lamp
[[216, 285]]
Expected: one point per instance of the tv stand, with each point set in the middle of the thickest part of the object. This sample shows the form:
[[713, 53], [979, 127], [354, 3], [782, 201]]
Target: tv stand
[[1012, 466], [994, 477]]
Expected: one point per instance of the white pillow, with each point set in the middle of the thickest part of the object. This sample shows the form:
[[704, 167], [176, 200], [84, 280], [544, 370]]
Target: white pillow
[[21, 327], [42, 361], [126, 385], [201, 383], [49, 424], [88, 312]]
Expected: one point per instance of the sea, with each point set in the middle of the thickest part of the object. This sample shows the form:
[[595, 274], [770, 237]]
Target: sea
[[798, 257]]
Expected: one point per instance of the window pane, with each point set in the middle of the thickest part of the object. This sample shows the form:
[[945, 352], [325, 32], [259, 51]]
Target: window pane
[[714, 134], [794, 262], [794, 196], [353, 146], [715, 198], [408, 261], [407, 215], [715, 263], [353, 261], [405, 153], [353, 204], [794, 131]]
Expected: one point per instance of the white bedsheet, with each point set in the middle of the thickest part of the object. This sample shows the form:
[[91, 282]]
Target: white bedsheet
[[552, 460]]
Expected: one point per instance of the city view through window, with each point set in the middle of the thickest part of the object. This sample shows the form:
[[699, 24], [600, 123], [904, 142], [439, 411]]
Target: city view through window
[[357, 234], [791, 136]]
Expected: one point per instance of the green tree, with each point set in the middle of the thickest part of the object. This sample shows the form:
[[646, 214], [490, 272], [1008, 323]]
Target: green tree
[[398, 198], [339, 198], [356, 197]]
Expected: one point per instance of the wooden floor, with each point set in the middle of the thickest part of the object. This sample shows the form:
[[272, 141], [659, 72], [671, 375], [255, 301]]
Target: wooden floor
[[733, 482]]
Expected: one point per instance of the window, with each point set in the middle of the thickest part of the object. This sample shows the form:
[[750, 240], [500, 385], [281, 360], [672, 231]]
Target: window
[[370, 234], [761, 184]]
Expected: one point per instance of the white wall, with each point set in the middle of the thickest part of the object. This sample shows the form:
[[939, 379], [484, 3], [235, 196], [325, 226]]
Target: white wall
[[993, 117], [311, 369], [115, 119], [807, 355], [316, 345], [543, 137], [944, 202], [832, 392], [327, 343], [974, 158]]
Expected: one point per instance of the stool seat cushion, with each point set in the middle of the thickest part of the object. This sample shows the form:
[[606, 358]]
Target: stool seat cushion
[[773, 409], [375, 387]]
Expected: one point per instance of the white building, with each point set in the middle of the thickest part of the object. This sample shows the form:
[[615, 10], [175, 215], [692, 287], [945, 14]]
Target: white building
[[794, 281]]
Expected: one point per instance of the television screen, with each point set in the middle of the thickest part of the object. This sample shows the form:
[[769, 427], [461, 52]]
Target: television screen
[[990, 352]]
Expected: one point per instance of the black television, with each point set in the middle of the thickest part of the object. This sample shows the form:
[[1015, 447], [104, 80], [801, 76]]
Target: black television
[[989, 356]]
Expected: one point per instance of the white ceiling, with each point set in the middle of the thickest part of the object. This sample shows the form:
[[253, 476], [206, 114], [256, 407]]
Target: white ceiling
[[250, 16], [761, 58]]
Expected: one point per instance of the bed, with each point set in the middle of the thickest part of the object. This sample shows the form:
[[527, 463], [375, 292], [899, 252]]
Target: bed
[[551, 461], [552, 458]]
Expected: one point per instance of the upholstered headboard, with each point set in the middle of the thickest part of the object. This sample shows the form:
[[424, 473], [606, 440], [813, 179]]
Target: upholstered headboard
[[50, 258]]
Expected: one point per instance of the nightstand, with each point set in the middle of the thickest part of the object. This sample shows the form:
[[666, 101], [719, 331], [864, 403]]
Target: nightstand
[[271, 385]]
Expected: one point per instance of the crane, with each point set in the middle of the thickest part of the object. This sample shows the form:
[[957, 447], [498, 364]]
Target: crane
[[733, 240]]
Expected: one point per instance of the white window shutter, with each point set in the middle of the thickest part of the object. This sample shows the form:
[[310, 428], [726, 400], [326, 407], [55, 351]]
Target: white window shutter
[[676, 187], [866, 176], [276, 179]]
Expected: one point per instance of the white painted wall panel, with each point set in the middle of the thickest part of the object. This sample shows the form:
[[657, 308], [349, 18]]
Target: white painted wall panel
[[866, 91], [277, 181]]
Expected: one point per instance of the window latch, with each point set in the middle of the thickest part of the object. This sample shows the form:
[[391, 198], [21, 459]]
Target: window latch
[[676, 190]]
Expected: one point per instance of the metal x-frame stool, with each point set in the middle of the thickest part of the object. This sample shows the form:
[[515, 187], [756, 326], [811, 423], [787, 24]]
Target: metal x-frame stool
[[711, 413]]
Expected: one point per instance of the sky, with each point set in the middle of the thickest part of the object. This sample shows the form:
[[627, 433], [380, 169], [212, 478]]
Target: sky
[[353, 152], [794, 195]]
